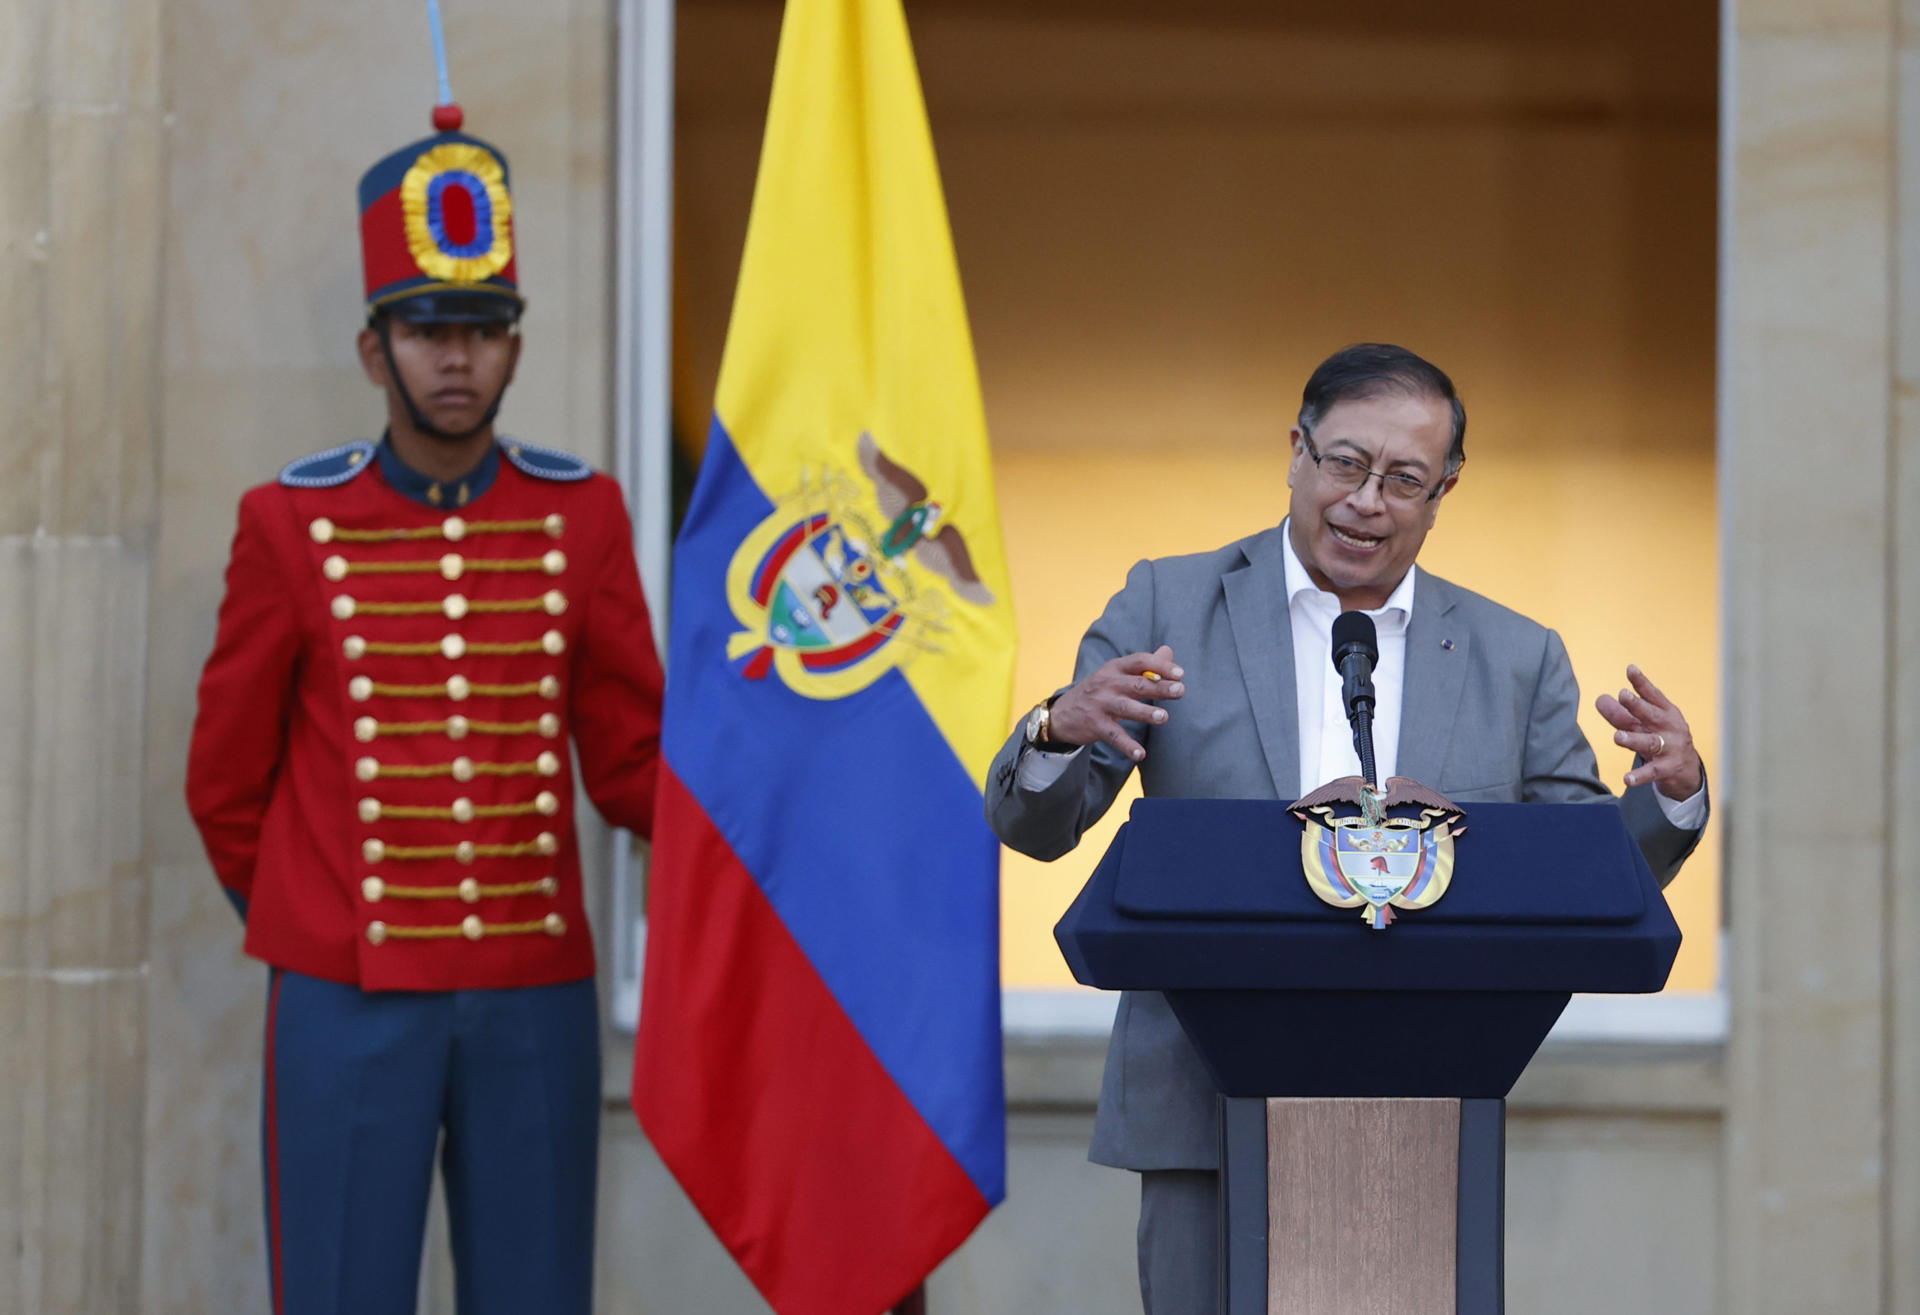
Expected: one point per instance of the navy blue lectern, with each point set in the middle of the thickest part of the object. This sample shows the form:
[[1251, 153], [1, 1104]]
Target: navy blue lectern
[[1298, 1008]]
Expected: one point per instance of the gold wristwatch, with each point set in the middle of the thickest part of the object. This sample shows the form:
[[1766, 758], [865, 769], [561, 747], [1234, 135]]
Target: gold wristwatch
[[1038, 728]]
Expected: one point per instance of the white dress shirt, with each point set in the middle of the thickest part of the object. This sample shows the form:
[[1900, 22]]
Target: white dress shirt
[[1326, 738]]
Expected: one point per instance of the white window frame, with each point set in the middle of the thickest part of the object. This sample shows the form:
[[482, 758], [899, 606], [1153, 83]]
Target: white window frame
[[643, 393]]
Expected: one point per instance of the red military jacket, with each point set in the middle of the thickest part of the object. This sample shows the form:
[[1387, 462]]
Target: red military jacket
[[380, 764]]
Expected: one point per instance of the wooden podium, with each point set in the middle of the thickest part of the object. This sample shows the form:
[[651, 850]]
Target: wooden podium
[[1363, 1074]]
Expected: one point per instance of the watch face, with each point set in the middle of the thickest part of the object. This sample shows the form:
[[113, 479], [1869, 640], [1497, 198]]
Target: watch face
[[1034, 719]]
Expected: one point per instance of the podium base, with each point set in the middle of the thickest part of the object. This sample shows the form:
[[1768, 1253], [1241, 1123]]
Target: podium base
[[1341, 1206]]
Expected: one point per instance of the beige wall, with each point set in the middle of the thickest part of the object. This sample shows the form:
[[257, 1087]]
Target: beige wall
[[81, 150], [1163, 227]]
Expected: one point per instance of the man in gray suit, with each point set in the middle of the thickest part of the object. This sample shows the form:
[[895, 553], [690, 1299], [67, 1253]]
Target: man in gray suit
[[1212, 675]]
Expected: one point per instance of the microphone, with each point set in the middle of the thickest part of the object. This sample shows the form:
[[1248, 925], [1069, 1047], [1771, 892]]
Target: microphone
[[1355, 650]]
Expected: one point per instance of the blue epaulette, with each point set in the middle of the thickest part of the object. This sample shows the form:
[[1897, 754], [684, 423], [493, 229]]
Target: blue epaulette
[[336, 465], [545, 462]]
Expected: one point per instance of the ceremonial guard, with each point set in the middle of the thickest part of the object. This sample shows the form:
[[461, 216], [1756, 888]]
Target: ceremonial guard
[[414, 632]]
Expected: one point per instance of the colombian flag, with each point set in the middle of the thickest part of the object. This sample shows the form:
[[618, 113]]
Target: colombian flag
[[819, 1052]]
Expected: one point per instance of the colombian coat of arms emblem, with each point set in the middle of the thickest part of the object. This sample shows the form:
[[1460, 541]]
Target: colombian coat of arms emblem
[[1357, 853], [824, 590]]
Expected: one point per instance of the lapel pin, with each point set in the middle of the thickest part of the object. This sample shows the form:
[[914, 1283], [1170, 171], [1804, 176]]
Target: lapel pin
[[1447, 644]]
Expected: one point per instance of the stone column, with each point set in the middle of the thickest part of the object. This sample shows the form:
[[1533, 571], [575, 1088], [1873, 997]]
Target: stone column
[[80, 224], [1820, 457]]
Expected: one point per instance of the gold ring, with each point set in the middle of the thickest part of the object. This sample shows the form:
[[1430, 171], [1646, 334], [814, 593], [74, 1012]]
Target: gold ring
[[1661, 747]]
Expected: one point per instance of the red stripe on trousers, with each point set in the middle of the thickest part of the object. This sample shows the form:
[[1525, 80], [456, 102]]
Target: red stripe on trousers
[[273, 1152], [803, 1154]]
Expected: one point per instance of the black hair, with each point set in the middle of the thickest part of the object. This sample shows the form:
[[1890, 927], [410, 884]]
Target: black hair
[[1373, 369]]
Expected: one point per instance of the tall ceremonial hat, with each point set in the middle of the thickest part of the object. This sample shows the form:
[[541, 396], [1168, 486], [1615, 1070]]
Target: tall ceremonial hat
[[436, 222]]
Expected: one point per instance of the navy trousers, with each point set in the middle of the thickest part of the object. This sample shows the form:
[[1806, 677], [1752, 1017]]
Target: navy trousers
[[361, 1090]]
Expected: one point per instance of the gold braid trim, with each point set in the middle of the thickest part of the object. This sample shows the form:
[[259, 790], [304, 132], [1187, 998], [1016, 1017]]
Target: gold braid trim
[[488, 648], [393, 568], [496, 564], [440, 727], [504, 564], [423, 771], [438, 531], [506, 727], [494, 605], [507, 605], [399, 609], [408, 853], [438, 690], [527, 809], [459, 931], [382, 648], [453, 892]]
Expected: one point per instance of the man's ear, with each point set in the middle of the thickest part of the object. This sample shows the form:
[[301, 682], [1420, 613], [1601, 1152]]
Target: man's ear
[[373, 359], [513, 358], [1297, 437]]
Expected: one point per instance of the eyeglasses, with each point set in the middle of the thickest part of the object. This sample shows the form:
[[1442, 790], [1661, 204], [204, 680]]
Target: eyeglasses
[[1346, 473]]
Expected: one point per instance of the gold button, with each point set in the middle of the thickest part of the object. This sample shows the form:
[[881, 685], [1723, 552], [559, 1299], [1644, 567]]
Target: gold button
[[547, 802], [365, 729], [369, 810], [549, 886], [334, 568], [455, 606], [547, 843], [470, 890], [373, 889], [549, 687], [550, 724], [457, 727], [454, 528], [321, 529], [463, 852], [548, 764], [554, 562], [354, 646], [555, 525], [463, 810], [553, 643], [360, 688], [373, 850], [458, 688], [463, 769], [376, 933], [342, 608], [453, 647], [367, 769], [556, 925], [472, 928], [451, 567], [554, 601]]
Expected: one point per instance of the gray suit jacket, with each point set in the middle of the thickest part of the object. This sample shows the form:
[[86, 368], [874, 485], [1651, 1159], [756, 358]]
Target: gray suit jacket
[[1488, 717]]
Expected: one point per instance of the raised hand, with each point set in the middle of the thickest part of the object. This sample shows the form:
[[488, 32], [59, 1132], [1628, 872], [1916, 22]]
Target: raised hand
[[1646, 721], [1124, 689]]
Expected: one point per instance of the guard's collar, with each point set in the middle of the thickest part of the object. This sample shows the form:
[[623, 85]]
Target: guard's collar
[[443, 495]]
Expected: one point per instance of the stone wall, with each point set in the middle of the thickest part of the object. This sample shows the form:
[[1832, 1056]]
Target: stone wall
[[80, 263]]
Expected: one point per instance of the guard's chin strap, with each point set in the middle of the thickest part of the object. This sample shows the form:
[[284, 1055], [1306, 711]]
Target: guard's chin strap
[[414, 413]]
